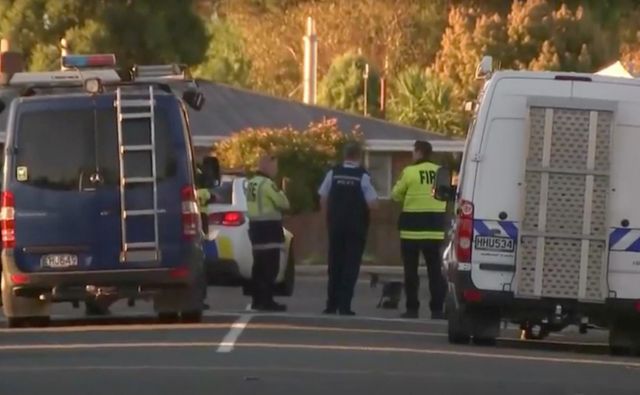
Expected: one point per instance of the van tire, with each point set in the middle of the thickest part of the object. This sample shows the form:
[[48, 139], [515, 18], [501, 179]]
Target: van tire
[[168, 318], [624, 338], [191, 317], [457, 327], [286, 287]]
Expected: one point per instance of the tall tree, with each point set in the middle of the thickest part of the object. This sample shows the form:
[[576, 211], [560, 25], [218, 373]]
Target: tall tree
[[420, 99], [343, 87], [388, 33], [225, 59], [143, 31]]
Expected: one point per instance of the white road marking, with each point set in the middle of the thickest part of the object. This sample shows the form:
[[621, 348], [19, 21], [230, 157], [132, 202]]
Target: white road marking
[[322, 347], [234, 333]]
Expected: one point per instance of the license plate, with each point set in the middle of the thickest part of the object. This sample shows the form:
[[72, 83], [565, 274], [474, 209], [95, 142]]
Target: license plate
[[59, 261], [491, 243]]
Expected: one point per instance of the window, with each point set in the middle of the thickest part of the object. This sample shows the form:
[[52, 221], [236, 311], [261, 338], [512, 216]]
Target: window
[[223, 194], [379, 167], [60, 149]]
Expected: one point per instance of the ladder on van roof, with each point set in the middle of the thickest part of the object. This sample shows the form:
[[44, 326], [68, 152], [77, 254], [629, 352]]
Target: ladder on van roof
[[563, 237], [143, 218]]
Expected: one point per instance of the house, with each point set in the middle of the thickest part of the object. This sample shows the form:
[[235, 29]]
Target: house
[[228, 109], [388, 151]]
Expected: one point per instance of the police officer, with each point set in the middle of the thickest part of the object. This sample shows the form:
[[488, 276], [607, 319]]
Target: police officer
[[265, 204], [346, 196], [422, 224]]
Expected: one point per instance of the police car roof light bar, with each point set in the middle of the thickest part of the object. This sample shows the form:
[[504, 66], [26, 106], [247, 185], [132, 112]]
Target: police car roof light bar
[[89, 61]]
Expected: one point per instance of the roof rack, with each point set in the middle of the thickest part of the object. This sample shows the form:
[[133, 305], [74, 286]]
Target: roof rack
[[78, 69]]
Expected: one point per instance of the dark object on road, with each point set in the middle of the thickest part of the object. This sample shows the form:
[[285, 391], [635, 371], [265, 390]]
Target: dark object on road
[[391, 293]]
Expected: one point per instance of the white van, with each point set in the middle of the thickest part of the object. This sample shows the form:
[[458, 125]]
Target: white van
[[547, 232]]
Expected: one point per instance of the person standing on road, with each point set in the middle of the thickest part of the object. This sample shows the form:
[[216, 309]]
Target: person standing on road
[[422, 229], [346, 196], [265, 204]]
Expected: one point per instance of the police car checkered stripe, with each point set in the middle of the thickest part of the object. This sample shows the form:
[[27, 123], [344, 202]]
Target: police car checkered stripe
[[496, 228], [624, 239]]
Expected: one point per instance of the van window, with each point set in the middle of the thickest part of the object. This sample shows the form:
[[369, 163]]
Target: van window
[[58, 149]]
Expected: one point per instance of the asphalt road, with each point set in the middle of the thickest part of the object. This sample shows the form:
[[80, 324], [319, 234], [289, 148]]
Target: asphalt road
[[300, 352]]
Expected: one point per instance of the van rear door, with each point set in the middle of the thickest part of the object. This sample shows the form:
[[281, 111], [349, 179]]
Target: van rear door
[[65, 179]]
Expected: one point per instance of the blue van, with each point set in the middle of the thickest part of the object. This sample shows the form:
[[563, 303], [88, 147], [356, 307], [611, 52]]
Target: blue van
[[98, 199]]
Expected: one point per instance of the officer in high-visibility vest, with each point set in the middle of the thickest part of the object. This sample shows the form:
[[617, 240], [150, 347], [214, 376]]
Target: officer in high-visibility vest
[[265, 204], [422, 229]]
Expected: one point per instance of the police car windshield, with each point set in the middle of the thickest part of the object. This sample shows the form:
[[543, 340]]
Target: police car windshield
[[61, 149]]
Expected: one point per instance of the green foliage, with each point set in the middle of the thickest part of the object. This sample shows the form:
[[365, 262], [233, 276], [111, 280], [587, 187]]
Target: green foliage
[[343, 87], [421, 99], [304, 156], [142, 31], [226, 60]]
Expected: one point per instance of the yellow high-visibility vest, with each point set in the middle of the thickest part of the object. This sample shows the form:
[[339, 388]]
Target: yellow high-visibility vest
[[423, 217]]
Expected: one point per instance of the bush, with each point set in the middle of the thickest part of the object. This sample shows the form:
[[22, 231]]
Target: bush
[[304, 156]]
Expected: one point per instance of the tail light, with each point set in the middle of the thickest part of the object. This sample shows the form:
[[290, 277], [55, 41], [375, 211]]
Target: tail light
[[464, 231], [472, 295], [179, 272], [228, 218], [190, 220], [7, 220]]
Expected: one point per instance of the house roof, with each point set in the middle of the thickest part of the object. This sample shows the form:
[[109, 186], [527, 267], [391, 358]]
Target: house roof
[[229, 109]]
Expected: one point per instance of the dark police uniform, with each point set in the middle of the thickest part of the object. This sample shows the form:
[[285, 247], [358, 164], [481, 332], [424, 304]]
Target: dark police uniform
[[265, 203], [422, 224], [348, 190]]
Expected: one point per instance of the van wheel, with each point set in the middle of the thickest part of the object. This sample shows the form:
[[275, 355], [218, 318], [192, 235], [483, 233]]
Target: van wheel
[[624, 338], [168, 318], [28, 322], [457, 328], [191, 317], [285, 288]]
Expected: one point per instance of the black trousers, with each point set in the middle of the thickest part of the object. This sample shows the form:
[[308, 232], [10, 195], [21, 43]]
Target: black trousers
[[430, 249], [266, 264], [345, 256]]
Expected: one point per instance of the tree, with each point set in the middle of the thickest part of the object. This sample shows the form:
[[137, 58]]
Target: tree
[[387, 33], [304, 156], [470, 35], [420, 99], [343, 87], [535, 35], [225, 59], [143, 31]]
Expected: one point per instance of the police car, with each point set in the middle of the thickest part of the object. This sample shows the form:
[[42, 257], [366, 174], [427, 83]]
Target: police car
[[229, 257], [547, 232], [98, 199]]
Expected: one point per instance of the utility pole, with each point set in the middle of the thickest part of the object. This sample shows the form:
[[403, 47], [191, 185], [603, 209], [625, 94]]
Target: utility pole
[[365, 79], [310, 68]]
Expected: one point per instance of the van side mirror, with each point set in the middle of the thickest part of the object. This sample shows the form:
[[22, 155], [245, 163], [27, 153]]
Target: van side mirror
[[210, 169], [194, 98], [442, 189]]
